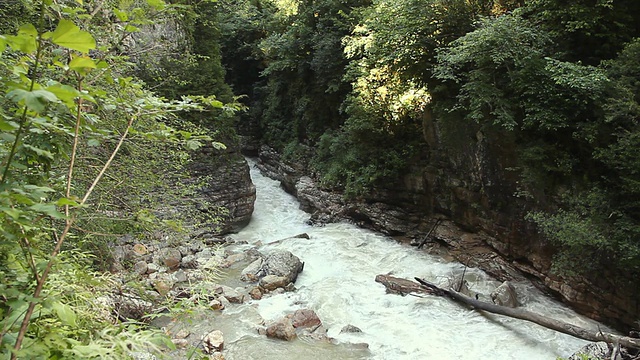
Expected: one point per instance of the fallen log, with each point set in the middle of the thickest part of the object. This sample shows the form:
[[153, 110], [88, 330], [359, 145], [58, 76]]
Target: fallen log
[[560, 326], [299, 236], [401, 286]]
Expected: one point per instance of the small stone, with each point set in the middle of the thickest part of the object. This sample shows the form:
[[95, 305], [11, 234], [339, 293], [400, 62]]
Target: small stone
[[232, 295], [216, 305], [170, 257], [255, 293], [182, 334], [180, 276], [189, 262], [180, 343], [152, 268], [216, 356], [250, 273], [162, 287], [272, 282], [350, 329], [282, 329], [140, 268], [213, 341]]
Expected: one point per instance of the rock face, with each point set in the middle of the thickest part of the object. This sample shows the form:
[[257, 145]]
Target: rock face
[[227, 186], [481, 220]]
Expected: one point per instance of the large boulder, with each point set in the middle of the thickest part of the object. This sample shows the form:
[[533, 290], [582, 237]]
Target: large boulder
[[282, 263], [505, 295]]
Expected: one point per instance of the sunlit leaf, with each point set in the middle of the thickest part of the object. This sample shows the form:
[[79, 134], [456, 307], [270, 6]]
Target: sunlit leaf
[[48, 209], [65, 313], [68, 35], [121, 15], [82, 63], [157, 4]]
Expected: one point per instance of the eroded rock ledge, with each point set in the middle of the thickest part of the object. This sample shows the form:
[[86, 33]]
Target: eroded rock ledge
[[495, 241]]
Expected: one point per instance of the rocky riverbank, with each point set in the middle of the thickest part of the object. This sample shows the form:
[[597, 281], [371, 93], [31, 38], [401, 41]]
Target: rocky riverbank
[[501, 246]]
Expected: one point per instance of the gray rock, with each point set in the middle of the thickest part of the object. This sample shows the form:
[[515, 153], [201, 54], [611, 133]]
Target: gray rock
[[140, 268], [230, 294], [152, 268], [350, 329], [251, 272], [180, 276], [169, 257], [272, 282], [189, 262], [593, 351], [282, 263], [505, 295]]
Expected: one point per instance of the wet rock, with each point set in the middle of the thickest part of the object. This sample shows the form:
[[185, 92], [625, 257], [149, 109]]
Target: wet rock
[[216, 305], [255, 293], [251, 272], [282, 263], [304, 318], [233, 259], [350, 329], [281, 329], [272, 282], [231, 294], [460, 285], [213, 341], [505, 295], [592, 351]]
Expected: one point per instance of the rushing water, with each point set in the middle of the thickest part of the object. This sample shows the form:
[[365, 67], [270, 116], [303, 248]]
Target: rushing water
[[341, 262]]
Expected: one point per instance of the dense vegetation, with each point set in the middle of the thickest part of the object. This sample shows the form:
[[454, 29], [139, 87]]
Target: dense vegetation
[[555, 81], [92, 91], [89, 154]]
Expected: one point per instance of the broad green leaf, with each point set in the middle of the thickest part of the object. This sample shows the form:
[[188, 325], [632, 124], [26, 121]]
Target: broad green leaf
[[65, 93], [193, 144], [8, 125], [65, 313], [48, 209], [157, 4], [39, 151], [34, 100], [121, 15], [81, 63], [131, 28], [66, 201], [68, 35], [25, 41], [13, 213]]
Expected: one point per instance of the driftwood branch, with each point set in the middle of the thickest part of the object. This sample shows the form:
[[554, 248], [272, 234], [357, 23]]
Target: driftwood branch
[[547, 322], [404, 286]]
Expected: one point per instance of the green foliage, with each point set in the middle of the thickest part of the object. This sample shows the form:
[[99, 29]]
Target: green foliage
[[77, 134]]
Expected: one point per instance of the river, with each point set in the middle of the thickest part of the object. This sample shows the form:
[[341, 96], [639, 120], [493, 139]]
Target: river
[[341, 262]]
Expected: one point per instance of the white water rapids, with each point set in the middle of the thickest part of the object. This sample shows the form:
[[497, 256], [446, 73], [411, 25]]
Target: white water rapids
[[341, 263]]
